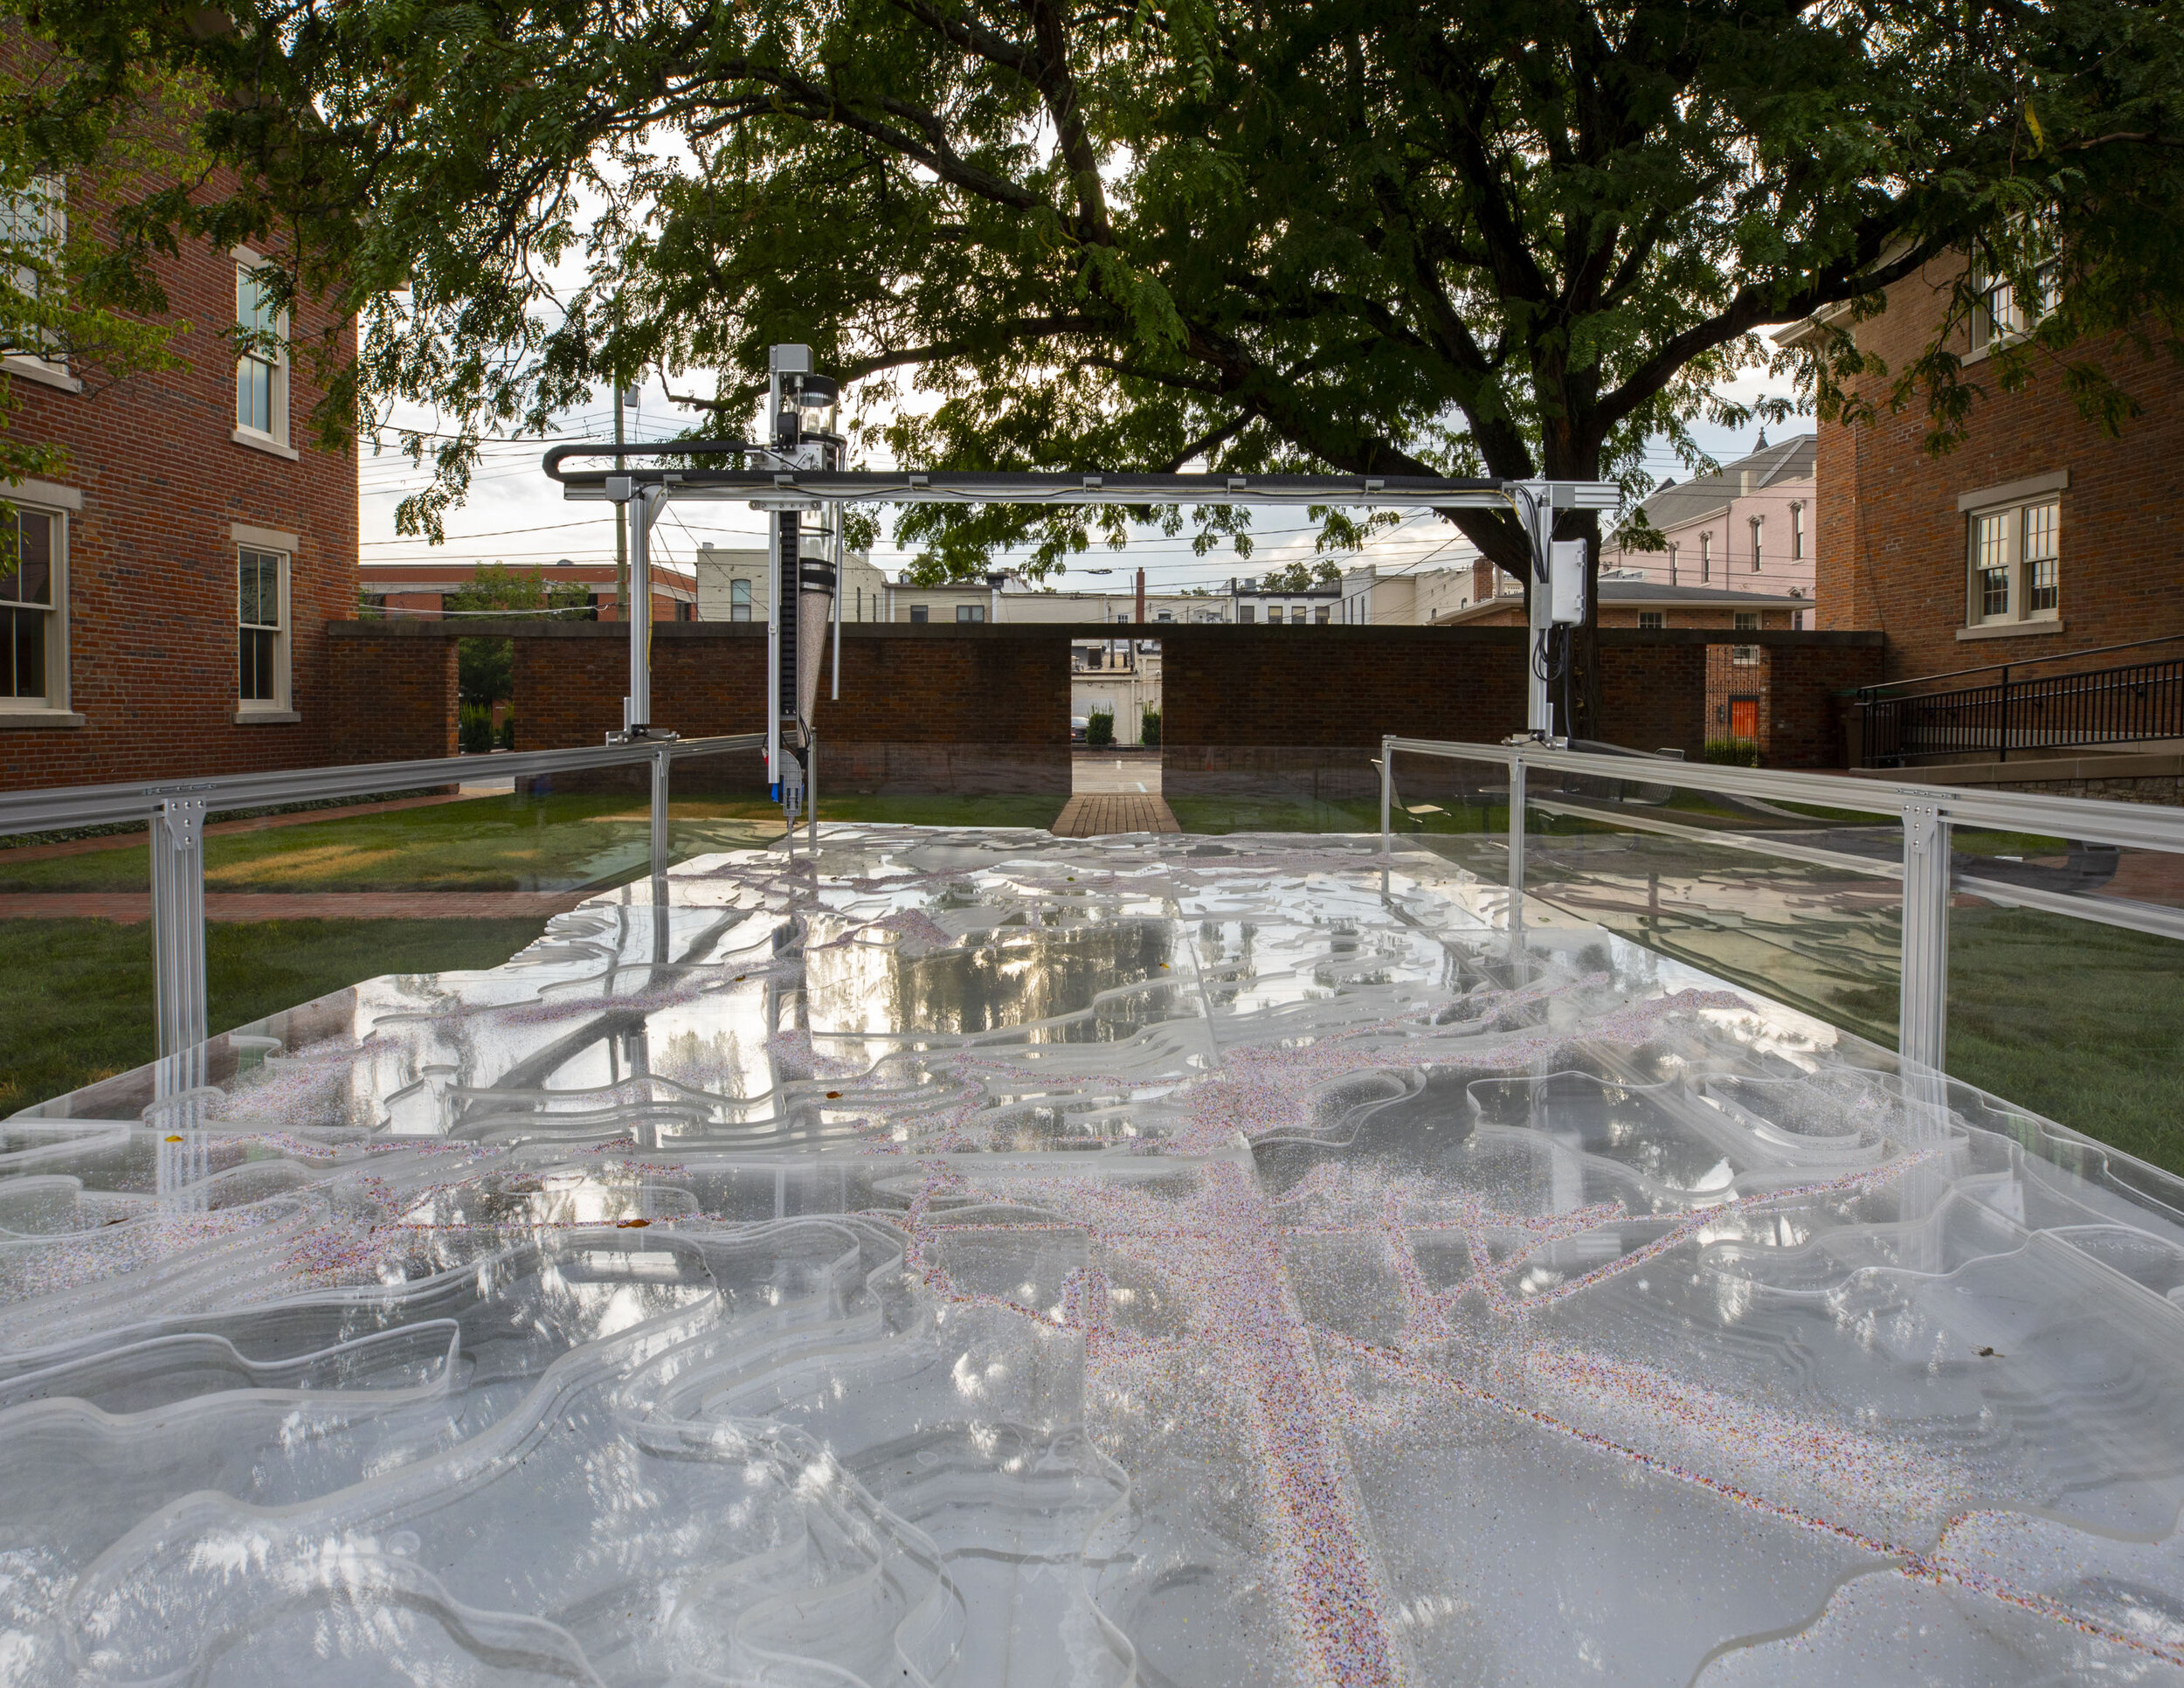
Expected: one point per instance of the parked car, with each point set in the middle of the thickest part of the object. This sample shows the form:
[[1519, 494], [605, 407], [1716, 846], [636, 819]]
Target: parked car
[[1078, 727]]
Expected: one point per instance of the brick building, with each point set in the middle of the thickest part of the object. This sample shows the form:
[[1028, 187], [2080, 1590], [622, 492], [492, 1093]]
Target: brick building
[[170, 591], [2038, 537], [421, 588]]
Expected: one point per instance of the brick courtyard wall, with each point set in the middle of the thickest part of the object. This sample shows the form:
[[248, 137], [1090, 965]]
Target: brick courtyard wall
[[1300, 712], [924, 709], [151, 496], [390, 690], [1893, 545]]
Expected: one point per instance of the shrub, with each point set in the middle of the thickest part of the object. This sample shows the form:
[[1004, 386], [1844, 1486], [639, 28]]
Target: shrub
[[1148, 728], [1099, 727], [1737, 752], [506, 739], [473, 733]]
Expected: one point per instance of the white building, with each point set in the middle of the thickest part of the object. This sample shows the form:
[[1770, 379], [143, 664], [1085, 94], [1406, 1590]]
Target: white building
[[1377, 597], [732, 585]]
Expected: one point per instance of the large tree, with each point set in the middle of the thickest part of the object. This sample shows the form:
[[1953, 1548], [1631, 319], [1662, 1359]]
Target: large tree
[[1459, 238]]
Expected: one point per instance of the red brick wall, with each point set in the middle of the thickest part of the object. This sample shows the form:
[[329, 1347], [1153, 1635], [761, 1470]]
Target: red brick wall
[[938, 708], [1892, 543], [1249, 709], [390, 692], [1512, 615], [152, 571]]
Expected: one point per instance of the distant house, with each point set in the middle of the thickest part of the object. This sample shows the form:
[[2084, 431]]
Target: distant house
[[731, 584], [2038, 537], [1375, 595], [1639, 602], [421, 588], [1749, 527]]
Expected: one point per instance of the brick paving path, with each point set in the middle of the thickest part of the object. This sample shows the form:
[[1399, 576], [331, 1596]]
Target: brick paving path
[[128, 907], [1090, 815]]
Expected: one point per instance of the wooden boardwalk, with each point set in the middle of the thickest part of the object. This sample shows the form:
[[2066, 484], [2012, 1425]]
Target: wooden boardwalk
[[1093, 813]]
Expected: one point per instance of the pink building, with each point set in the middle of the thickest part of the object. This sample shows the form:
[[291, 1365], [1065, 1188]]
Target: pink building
[[1748, 528]]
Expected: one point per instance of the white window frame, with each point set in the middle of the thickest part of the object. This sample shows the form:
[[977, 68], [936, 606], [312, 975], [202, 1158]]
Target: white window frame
[[1653, 620], [1706, 557], [59, 504], [1759, 525], [280, 707], [1997, 318], [274, 438], [1797, 531], [1744, 656], [48, 371], [2005, 523], [739, 611]]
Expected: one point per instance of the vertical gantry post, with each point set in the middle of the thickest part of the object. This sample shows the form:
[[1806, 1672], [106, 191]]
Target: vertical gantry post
[[811, 784], [1539, 710], [178, 925], [637, 708], [1922, 1018], [1516, 860], [1387, 796], [659, 812]]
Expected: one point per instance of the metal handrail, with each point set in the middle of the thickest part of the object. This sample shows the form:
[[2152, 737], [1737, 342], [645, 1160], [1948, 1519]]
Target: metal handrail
[[1868, 693], [176, 810], [1926, 815]]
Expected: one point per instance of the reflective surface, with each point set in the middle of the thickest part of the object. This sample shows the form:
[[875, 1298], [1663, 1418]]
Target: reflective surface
[[981, 1258]]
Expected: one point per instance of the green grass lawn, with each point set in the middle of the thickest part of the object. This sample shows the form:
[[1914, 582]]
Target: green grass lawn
[[76, 995], [554, 843]]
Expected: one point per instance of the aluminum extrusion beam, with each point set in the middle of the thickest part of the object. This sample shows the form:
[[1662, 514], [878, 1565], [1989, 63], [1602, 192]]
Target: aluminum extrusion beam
[[807, 486], [95, 805], [2093, 820]]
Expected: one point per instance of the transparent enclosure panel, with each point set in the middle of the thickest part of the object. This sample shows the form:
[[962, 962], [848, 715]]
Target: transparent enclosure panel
[[2076, 1019], [75, 961], [1793, 901]]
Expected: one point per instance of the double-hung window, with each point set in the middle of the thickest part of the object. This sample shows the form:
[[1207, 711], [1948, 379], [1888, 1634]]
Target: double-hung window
[[1652, 620], [261, 367], [31, 561], [1797, 531], [2015, 563], [1745, 655], [261, 603], [2003, 312], [1758, 524], [1705, 556], [33, 231], [739, 600]]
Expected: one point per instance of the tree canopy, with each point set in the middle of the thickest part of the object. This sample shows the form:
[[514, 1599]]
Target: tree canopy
[[1369, 237]]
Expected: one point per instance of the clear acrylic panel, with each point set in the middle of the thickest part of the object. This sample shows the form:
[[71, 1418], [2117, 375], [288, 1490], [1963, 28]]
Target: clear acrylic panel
[[2055, 1002]]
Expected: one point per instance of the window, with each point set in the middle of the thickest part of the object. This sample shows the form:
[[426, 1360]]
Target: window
[[921, 612], [2015, 563], [1797, 531], [27, 601], [739, 600], [1705, 556], [969, 611], [1746, 621], [260, 595], [1246, 614], [1164, 615], [1797, 621], [33, 225], [1321, 614], [1756, 522], [1673, 548], [1999, 316], [1655, 619], [261, 371]]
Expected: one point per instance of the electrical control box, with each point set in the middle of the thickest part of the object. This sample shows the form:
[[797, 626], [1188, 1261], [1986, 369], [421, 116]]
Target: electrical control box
[[1565, 581]]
